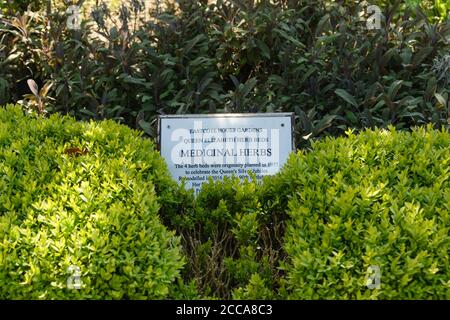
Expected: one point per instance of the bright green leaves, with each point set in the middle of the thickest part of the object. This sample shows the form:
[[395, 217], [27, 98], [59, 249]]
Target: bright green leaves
[[375, 198], [372, 199], [378, 198], [97, 211]]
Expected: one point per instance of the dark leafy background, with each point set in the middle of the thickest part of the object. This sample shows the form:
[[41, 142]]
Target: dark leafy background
[[314, 58]]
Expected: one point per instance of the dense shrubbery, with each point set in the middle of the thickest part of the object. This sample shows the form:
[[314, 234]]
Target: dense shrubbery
[[380, 198], [94, 207], [89, 194], [20, 6], [316, 58], [229, 238]]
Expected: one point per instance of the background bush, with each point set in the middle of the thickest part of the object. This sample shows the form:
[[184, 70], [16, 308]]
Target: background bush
[[95, 208], [314, 58]]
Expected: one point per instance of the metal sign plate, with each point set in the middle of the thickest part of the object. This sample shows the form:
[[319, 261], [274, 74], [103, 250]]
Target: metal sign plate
[[197, 147]]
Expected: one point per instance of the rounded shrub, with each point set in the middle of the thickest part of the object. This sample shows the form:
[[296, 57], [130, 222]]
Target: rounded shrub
[[79, 211], [358, 217], [369, 217]]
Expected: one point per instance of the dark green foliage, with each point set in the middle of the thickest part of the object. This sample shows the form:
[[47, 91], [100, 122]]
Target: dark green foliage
[[436, 10], [82, 194], [316, 58], [226, 241], [19, 6]]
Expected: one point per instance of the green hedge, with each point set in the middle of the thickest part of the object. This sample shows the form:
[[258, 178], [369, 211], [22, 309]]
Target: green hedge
[[227, 241], [94, 208], [377, 198], [380, 198]]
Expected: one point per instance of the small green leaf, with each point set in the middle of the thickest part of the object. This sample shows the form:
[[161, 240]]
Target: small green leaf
[[146, 126], [346, 96], [265, 51]]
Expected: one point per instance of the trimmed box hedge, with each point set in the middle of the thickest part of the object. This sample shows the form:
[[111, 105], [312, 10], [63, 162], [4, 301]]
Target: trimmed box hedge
[[380, 198], [377, 199], [99, 197], [82, 195]]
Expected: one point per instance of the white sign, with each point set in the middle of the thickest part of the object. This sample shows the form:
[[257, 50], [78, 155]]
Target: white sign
[[197, 147]]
